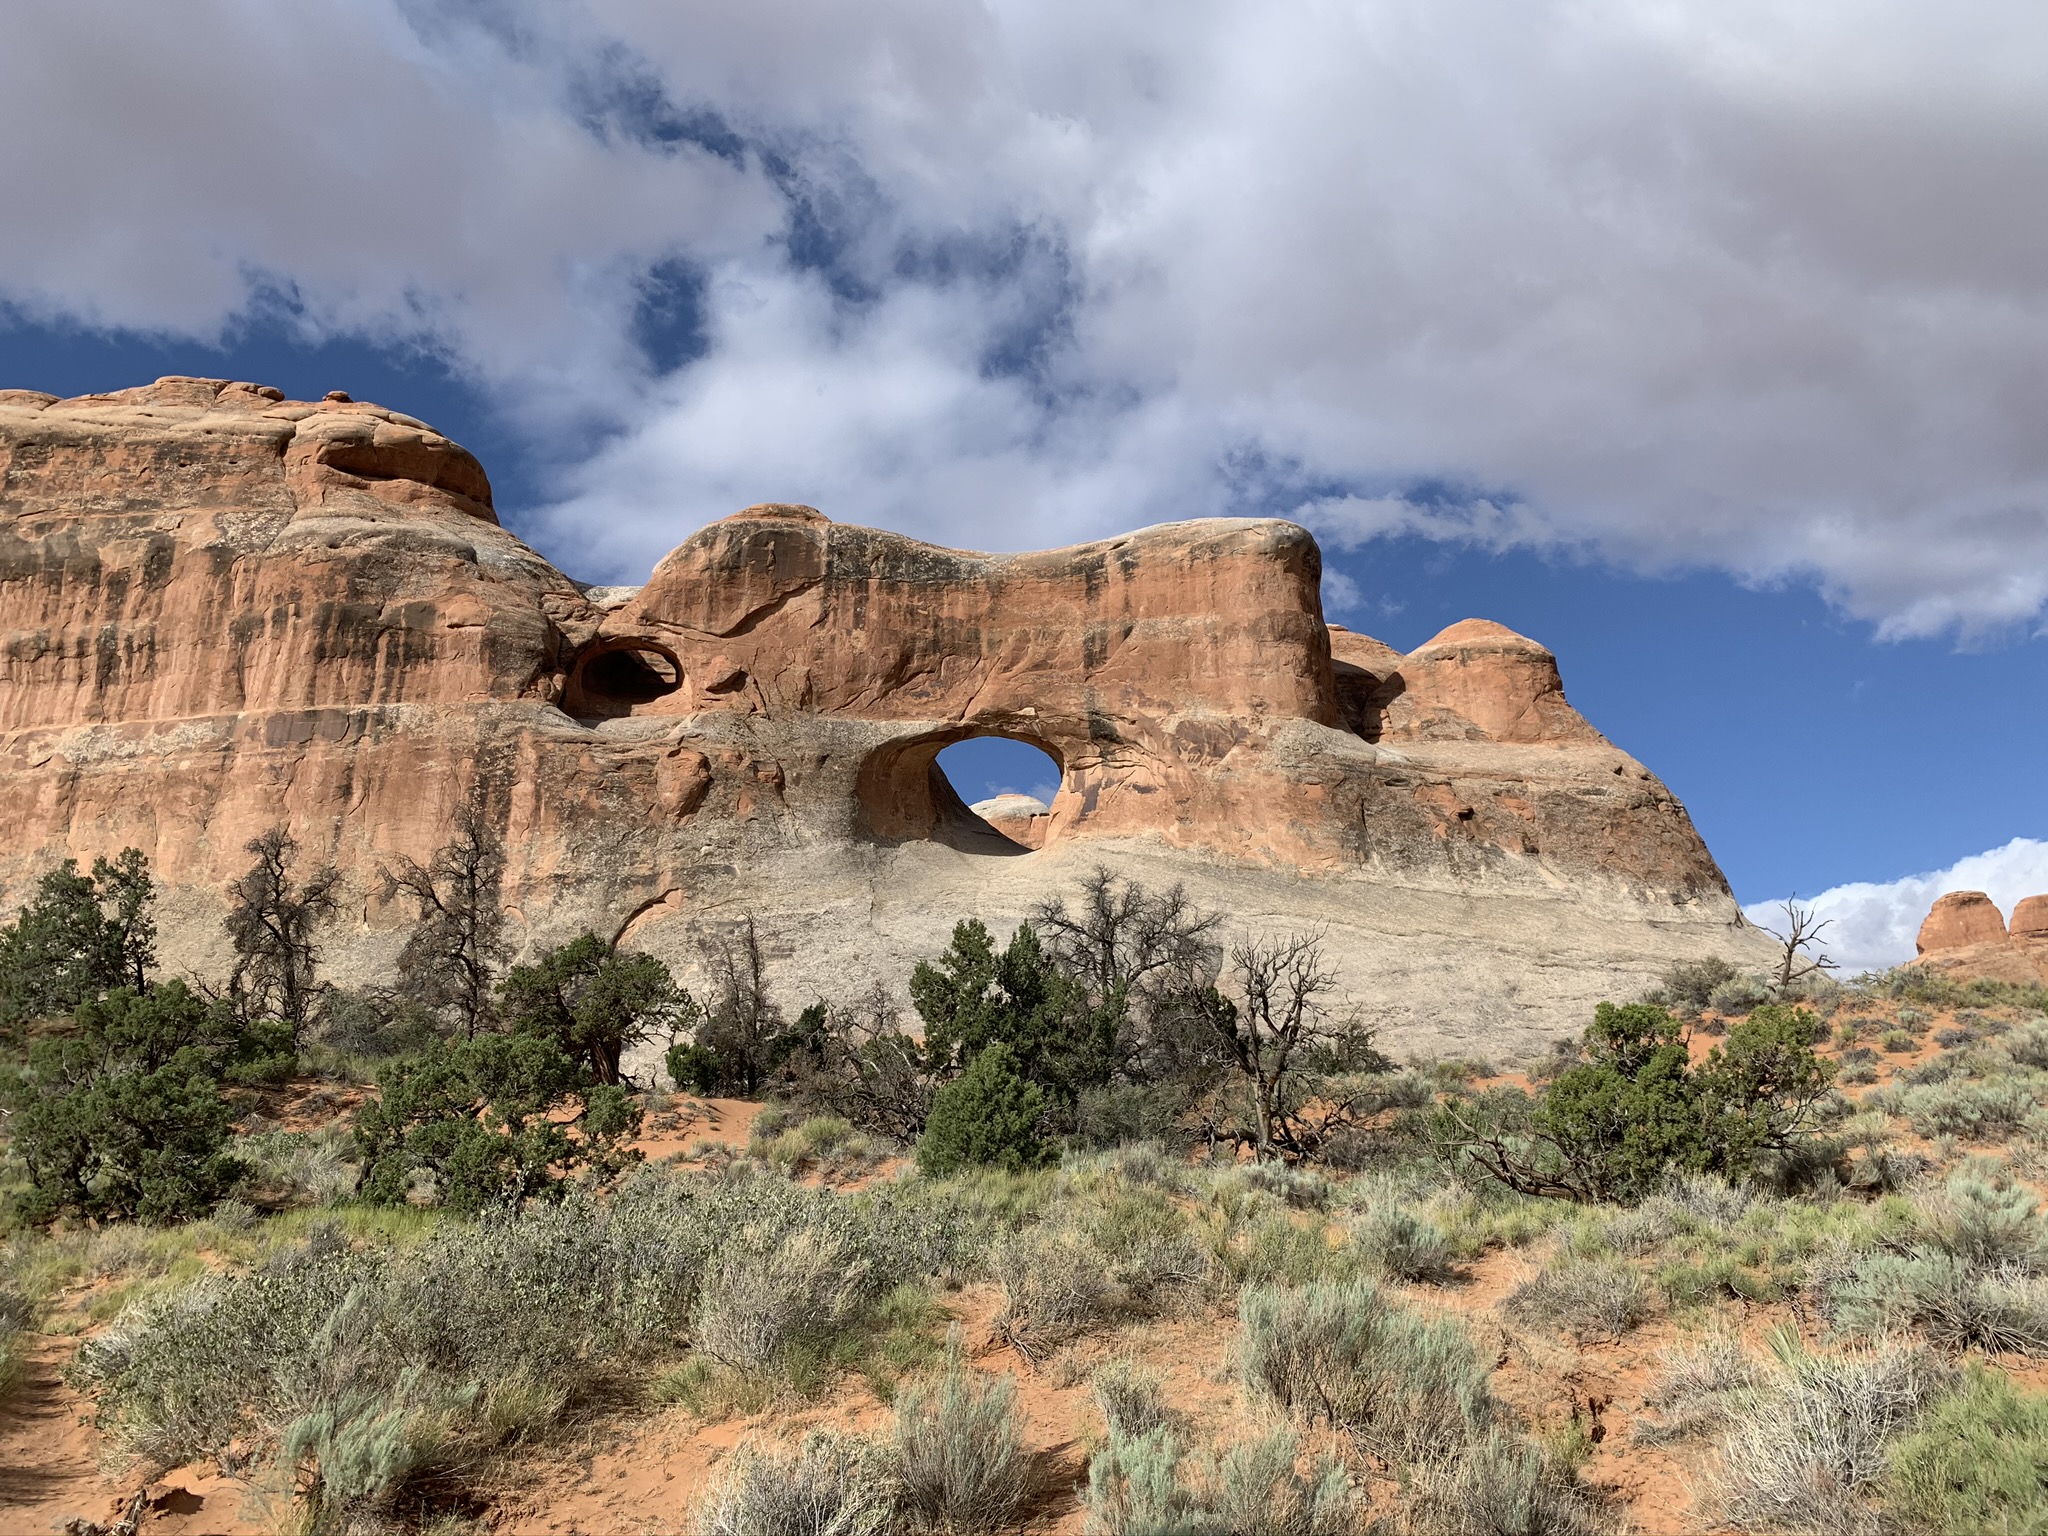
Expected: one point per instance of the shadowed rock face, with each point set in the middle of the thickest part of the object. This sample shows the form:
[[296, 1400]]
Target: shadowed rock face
[[220, 610]]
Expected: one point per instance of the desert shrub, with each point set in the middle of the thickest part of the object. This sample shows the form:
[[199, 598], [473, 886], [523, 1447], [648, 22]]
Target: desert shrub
[[1636, 1110], [556, 1294], [960, 1450], [123, 1116], [1857, 1073], [1115, 1114], [496, 1120], [761, 1300], [1302, 1188], [1895, 1041], [987, 1116], [1586, 1298], [1403, 1246], [16, 1314], [1969, 1111], [1913, 1019], [1812, 1446], [1717, 1202], [298, 1167], [1957, 1305], [1148, 1485], [1737, 996], [1700, 1386], [821, 1139], [1402, 1385], [829, 1486], [1976, 1464], [1500, 1485], [1981, 1224], [1055, 1287], [2028, 1045], [1129, 1396], [1689, 985], [975, 996], [1950, 1036]]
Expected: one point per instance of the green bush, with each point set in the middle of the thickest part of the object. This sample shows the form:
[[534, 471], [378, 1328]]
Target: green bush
[[1636, 1111], [1975, 1465], [489, 1121], [1402, 1385], [1147, 1485], [1689, 985], [78, 938], [124, 1116], [975, 996], [594, 1001], [988, 1116], [1403, 1246]]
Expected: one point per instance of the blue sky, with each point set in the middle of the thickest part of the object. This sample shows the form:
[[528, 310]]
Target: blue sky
[[1703, 342]]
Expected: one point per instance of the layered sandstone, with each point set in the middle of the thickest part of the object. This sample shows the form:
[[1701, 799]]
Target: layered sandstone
[[1965, 936], [221, 610]]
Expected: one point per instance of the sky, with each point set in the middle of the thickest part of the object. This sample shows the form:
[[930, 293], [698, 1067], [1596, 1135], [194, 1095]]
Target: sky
[[1704, 342]]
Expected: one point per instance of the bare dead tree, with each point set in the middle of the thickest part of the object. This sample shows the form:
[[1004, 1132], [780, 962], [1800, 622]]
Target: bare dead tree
[[271, 920], [452, 960], [1120, 937], [860, 1064], [1795, 964], [1279, 1017]]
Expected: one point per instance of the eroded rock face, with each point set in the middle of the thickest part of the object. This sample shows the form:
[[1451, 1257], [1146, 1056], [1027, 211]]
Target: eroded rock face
[[1965, 937], [220, 610]]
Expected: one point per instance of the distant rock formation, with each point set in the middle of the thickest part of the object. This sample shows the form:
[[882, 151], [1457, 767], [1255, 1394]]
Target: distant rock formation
[[1965, 936], [221, 610]]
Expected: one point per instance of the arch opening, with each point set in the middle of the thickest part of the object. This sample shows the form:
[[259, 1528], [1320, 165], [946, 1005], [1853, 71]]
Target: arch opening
[[1005, 782], [979, 791], [615, 677]]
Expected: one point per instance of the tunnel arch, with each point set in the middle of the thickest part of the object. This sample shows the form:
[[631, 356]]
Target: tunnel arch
[[905, 794], [610, 678]]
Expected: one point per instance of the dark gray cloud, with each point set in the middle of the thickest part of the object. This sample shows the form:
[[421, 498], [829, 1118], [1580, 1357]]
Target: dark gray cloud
[[1747, 286]]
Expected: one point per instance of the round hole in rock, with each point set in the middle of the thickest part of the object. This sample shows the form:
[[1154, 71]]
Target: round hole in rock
[[614, 678], [1009, 784]]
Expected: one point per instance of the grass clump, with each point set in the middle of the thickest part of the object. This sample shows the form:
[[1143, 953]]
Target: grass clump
[[1811, 1447], [1501, 1485], [1968, 1111], [1585, 1298], [960, 1453], [1150, 1485], [1403, 1386], [1975, 1465], [829, 1486], [1403, 1246]]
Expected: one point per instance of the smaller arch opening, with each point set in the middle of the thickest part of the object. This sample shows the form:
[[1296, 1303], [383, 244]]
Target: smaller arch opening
[[615, 677]]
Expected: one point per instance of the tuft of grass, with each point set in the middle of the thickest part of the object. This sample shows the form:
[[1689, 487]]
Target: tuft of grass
[[1403, 1246], [1401, 1385], [1129, 1397], [1501, 1485], [1586, 1298], [1812, 1446], [828, 1486], [1975, 1465], [1149, 1485], [960, 1454]]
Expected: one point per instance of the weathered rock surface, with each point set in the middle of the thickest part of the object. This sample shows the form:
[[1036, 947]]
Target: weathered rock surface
[[1966, 937], [220, 610]]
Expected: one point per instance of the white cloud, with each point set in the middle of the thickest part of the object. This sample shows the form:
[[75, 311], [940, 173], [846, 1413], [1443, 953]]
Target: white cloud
[[1874, 926], [1732, 284]]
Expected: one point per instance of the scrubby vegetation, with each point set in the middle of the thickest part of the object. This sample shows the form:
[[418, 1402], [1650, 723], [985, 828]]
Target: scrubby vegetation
[[370, 1250]]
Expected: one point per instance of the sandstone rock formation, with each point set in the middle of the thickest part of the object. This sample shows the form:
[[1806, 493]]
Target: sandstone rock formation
[[1966, 937], [220, 610]]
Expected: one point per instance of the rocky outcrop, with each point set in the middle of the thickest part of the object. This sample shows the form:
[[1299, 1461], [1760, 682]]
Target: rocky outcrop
[[221, 610], [1966, 937]]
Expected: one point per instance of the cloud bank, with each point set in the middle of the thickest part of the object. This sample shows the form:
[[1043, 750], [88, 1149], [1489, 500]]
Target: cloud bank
[[1679, 284], [1874, 926]]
